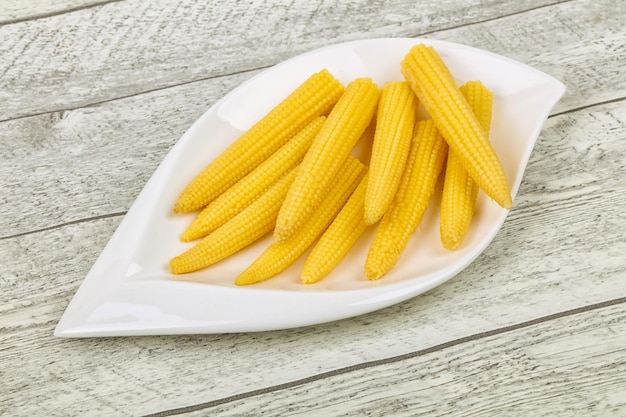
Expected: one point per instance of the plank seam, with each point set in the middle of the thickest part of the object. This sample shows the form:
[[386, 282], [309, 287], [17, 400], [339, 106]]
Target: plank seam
[[491, 19], [58, 226], [98, 103], [57, 13], [389, 360], [587, 106]]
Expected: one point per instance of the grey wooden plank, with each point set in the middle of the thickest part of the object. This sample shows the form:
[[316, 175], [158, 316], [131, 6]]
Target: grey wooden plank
[[57, 168], [126, 48], [544, 261], [50, 262], [564, 367]]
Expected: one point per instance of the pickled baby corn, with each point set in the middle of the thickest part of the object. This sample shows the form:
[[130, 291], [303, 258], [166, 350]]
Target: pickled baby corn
[[279, 256], [339, 238], [242, 230], [344, 126], [392, 139], [426, 159], [313, 98], [459, 190], [292, 173], [436, 89], [242, 193]]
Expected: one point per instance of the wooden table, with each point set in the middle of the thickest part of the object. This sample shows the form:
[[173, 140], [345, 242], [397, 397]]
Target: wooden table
[[93, 94]]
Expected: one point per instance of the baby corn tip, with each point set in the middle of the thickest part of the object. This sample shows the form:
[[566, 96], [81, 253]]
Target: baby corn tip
[[372, 217], [373, 274], [174, 266], [507, 202], [281, 234], [309, 279], [187, 236]]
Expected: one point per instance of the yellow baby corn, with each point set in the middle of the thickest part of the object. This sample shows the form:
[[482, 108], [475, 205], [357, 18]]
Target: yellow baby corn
[[279, 256], [480, 100], [249, 225], [343, 128], [313, 98], [392, 139], [339, 238], [426, 159], [242, 193], [459, 190], [436, 89]]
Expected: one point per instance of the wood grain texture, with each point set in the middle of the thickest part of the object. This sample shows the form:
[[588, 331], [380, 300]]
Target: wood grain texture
[[88, 116], [127, 48], [57, 168], [567, 367], [13, 11], [534, 267]]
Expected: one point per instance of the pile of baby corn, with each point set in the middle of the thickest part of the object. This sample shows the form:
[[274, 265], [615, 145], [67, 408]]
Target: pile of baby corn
[[293, 173]]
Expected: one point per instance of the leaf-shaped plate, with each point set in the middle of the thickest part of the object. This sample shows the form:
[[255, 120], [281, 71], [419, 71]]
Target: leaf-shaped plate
[[129, 290]]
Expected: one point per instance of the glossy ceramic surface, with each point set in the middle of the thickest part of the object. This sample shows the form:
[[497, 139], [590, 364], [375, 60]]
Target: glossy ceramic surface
[[129, 290]]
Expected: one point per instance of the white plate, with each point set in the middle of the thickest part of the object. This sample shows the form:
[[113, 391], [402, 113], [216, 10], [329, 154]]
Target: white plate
[[129, 290]]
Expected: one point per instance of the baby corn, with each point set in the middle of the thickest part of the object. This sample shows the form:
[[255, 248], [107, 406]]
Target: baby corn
[[459, 190], [436, 89], [339, 238], [392, 139], [241, 194], [314, 98], [279, 256], [248, 226], [426, 159], [341, 131]]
